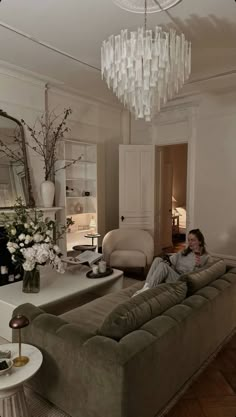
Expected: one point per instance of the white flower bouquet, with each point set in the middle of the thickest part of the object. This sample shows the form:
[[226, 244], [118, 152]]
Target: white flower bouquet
[[32, 239]]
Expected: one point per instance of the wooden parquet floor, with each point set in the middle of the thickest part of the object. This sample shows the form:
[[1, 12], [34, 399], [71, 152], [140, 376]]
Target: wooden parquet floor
[[213, 394]]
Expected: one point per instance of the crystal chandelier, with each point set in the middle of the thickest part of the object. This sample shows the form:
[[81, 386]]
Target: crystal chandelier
[[147, 67]]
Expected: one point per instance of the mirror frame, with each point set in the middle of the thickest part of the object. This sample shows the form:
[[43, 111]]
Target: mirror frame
[[29, 198]]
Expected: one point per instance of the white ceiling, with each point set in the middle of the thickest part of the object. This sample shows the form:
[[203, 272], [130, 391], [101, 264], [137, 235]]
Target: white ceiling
[[77, 28]]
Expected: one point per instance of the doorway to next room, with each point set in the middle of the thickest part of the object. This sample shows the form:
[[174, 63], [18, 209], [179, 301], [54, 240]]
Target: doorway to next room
[[175, 157]]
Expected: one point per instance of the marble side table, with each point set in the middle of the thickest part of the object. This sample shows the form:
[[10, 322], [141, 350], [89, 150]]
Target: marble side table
[[12, 396], [92, 236]]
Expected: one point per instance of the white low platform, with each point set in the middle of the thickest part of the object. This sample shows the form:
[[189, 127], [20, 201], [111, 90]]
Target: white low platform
[[55, 288]]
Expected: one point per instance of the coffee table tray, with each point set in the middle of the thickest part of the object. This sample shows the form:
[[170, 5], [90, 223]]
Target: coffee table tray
[[108, 272]]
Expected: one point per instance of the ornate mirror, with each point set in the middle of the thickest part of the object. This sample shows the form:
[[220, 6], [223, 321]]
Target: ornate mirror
[[14, 171]]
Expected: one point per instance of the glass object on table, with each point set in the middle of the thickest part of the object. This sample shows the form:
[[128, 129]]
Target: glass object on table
[[31, 281]]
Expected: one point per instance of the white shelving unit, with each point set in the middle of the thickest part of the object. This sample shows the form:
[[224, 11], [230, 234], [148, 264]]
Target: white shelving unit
[[76, 189]]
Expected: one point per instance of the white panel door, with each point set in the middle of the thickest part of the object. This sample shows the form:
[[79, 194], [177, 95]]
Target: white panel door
[[136, 186]]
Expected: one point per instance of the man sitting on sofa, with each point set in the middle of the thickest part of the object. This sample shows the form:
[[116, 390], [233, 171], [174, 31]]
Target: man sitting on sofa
[[171, 268]]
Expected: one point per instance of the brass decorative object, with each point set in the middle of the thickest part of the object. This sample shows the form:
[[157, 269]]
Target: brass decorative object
[[18, 322]]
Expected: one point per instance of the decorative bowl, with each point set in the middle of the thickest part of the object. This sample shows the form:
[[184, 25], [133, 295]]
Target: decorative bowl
[[10, 365]]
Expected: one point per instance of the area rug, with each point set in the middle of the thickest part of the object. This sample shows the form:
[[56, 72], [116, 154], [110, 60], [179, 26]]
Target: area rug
[[38, 407]]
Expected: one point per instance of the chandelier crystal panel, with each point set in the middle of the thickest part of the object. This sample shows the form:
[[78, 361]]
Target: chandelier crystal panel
[[146, 68]]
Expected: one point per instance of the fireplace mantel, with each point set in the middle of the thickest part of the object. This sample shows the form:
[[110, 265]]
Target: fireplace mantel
[[48, 212]]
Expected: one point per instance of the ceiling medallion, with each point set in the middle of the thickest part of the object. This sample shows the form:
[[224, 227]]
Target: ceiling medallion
[[145, 68], [153, 6]]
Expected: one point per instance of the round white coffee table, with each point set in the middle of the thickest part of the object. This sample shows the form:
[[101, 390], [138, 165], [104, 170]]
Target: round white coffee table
[[12, 397]]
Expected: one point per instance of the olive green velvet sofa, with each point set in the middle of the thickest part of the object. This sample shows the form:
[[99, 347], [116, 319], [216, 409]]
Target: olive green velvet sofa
[[124, 356]]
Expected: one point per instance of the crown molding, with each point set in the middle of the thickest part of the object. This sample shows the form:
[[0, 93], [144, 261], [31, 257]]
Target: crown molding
[[177, 111], [54, 85], [20, 73], [213, 76], [76, 94]]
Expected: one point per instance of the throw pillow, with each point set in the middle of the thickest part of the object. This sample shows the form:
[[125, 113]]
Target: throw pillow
[[132, 314], [198, 279]]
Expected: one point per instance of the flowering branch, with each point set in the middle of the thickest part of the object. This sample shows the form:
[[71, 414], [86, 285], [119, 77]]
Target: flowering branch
[[46, 139], [15, 155], [69, 163]]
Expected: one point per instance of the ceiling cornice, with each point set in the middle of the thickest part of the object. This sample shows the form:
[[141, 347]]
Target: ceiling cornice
[[76, 94], [46, 45], [212, 77]]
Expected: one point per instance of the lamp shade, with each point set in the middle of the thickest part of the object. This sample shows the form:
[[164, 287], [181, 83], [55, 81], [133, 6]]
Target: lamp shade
[[18, 322]]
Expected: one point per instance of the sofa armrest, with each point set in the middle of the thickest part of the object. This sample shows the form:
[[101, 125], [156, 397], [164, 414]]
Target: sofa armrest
[[77, 368], [44, 325]]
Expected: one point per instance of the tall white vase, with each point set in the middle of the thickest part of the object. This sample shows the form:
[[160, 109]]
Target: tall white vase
[[47, 190]]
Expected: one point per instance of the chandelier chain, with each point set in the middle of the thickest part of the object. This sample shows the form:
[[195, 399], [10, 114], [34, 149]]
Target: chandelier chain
[[145, 15]]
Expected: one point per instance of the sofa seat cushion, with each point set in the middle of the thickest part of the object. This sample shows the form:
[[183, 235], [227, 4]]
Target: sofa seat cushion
[[128, 258], [203, 276], [89, 317], [132, 314]]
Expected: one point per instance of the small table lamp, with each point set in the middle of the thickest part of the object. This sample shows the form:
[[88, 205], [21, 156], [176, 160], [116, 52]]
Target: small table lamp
[[18, 322]]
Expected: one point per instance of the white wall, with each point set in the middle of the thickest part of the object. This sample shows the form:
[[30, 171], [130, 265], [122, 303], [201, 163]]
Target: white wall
[[209, 127], [215, 192], [24, 98]]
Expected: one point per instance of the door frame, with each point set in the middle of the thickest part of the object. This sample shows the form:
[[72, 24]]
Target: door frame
[[190, 140]]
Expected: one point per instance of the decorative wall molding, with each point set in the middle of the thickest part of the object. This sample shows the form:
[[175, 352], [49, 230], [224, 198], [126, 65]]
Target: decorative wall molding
[[176, 112], [191, 168], [53, 84], [13, 71], [78, 96], [171, 116], [208, 77], [230, 260], [12, 104]]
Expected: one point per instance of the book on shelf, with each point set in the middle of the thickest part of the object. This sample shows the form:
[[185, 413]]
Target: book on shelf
[[87, 257]]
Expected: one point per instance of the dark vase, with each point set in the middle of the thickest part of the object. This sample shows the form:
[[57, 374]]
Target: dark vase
[[31, 281]]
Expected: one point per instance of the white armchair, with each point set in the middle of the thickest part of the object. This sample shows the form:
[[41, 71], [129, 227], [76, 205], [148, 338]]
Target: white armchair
[[128, 248]]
